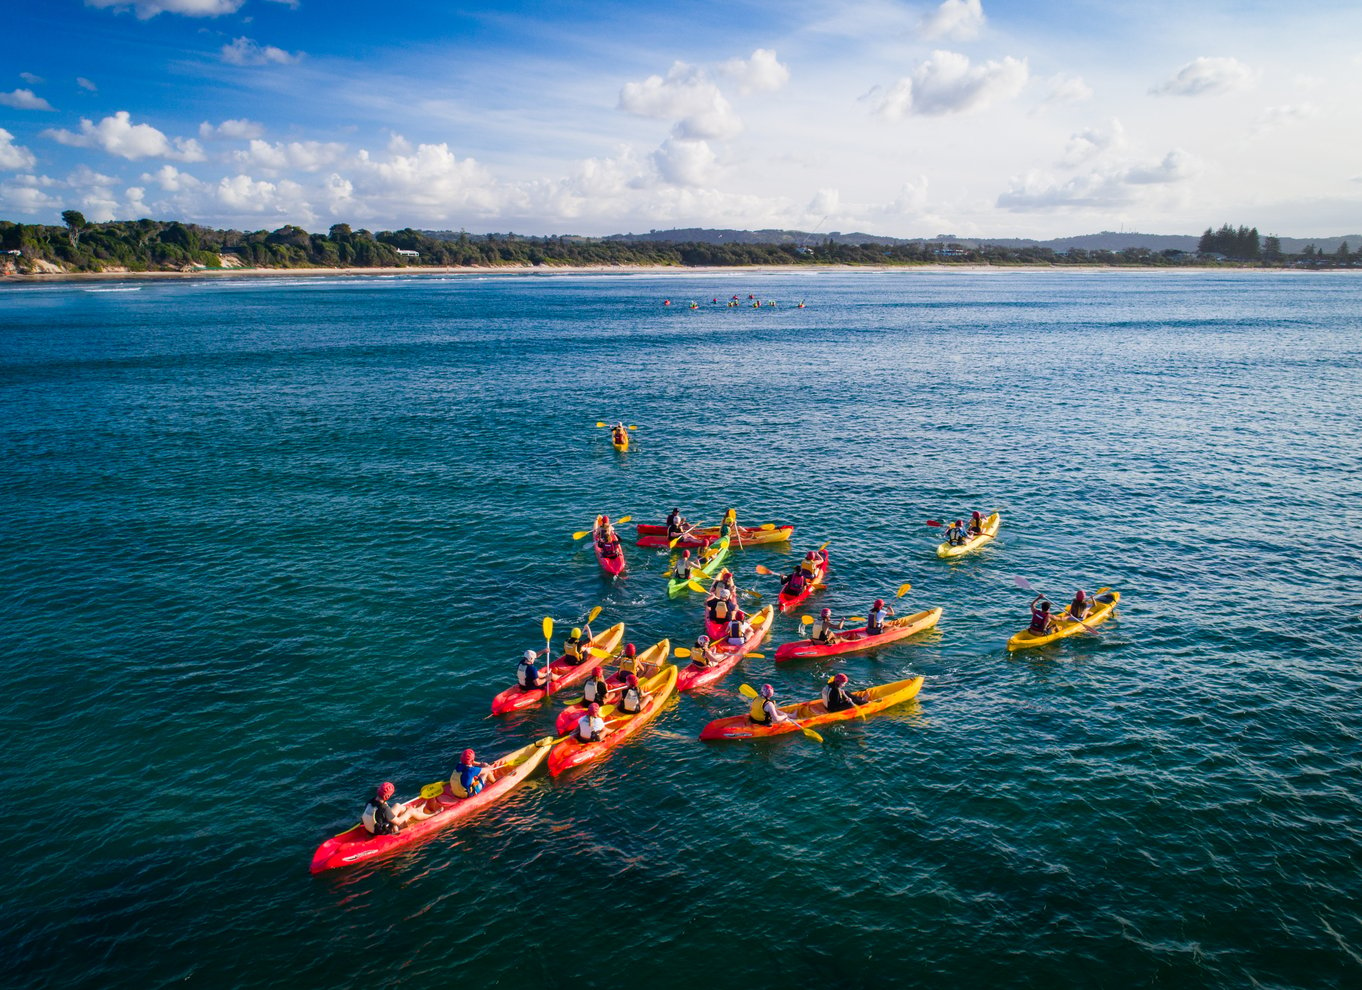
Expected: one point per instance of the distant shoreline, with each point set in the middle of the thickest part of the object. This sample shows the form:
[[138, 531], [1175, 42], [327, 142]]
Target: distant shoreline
[[547, 270]]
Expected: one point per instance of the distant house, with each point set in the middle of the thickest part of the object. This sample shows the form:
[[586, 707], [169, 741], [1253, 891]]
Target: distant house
[[404, 253]]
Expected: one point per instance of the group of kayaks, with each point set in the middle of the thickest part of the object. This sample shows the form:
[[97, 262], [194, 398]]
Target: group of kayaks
[[438, 805]]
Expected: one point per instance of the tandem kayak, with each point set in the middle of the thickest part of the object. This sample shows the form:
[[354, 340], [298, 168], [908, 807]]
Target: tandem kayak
[[609, 555], [570, 753], [706, 572], [653, 658], [858, 640], [565, 674], [789, 602], [974, 542], [694, 675], [811, 713], [358, 844], [656, 536], [1064, 626]]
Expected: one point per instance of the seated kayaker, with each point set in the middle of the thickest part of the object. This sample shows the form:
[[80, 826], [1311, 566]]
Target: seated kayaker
[[1041, 619], [590, 727], [527, 673], [795, 583], [676, 525], [469, 776], [574, 648], [976, 523], [739, 628], [836, 697], [681, 570], [725, 581], [382, 818], [619, 434], [720, 608], [875, 618], [596, 689], [700, 656], [811, 563], [630, 663], [955, 533], [823, 631], [764, 710], [1080, 606], [633, 697]]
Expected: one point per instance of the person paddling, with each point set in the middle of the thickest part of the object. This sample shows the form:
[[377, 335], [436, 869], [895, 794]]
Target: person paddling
[[634, 697], [955, 533], [1041, 619], [681, 570], [607, 540], [700, 656], [725, 580], [739, 628], [527, 673], [574, 647], [823, 631], [976, 523], [795, 583], [764, 710], [590, 727], [875, 618], [382, 818], [1080, 606], [597, 689], [720, 608], [619, 434], [836, 697], [677, 525], [469, 776]]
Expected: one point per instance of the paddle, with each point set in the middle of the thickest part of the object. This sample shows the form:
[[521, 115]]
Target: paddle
[[593, 615], [763, 569], [548, 653], [1025, 585], [618, 522], [607, 424], [683, 534], [748, 691], [903, 590], [683, 653]]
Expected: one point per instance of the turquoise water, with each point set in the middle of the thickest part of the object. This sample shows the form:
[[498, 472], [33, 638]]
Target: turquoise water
[[266, 542]]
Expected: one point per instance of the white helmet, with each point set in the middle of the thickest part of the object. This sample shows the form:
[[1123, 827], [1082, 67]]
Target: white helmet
[[530, 655]]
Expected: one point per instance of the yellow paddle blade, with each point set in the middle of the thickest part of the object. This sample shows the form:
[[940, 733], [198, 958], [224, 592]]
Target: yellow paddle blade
[[754, 594], [681, 652], [591, 616], [855, 618], [903, 590], [600, 424], [824, 546], [806, 620], [623, 519], [578, 536], [747, 690], [574, 702], [767, 526], [696, 586], [755, 656], [633, 427], [548, 627], [596, 651], [433, 790], [811, 734], [547, 741]]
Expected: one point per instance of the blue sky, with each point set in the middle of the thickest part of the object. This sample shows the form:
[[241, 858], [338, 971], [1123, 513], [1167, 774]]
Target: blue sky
[[973, 117]]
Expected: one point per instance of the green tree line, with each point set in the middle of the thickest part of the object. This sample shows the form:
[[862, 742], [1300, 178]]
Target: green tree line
[[158, 245]]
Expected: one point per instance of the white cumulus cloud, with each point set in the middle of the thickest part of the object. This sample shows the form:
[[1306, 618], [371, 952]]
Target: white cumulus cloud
[[236, 129], [118, 135], [245, 51], [14, 156], [688, 96], [762, 73], [958, 20], [1205, 76], [1109, 186], [24, 99], [948, 83], [171, 179], [190, 8], [307, 156], [683, 162], [1094, 141], [26, 195]]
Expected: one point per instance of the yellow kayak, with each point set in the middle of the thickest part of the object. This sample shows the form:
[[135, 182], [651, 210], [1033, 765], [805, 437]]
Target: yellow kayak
[[974, 542], [1064, 626]]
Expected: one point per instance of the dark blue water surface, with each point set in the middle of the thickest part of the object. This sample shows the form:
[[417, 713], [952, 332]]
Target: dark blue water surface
[[265, 542]]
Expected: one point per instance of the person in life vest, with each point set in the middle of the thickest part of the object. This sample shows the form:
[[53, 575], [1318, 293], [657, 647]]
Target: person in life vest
[[976, 523], [812, 563], [874, 619], [720, 608], [469, 776], [1041, 619], [596, 690], [382, 818], [676, 525], [619, 434], [955, 534], [527, 672], [725, 580], [739, 628], [836, 697], [633, 698], [590, 727], [681, 570], [764, 710], [702, 656], [795, 583], [606, 538], [823, 629], [630, 664], [574, 647], [1080, 606]]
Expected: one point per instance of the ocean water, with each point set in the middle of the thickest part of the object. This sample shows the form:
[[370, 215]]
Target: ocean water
[[265, 542]]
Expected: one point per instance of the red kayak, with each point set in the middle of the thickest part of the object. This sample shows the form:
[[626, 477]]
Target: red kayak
[[656, 536], [693, 676], [610, 555], [858, 640], [653, 658], [789, 602], [358, 844], [570, 753], [565, 674]]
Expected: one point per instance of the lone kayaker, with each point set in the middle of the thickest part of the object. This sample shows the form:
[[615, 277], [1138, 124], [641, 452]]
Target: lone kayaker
[[469, 776], [976, 523], [764, 710], [634, 697], [590, 727], [955, 534], [1041, 619], [1080, 606], [823, 630], [382, 818], [874, 619], [527, 672], [836, 697], [619, 434]]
